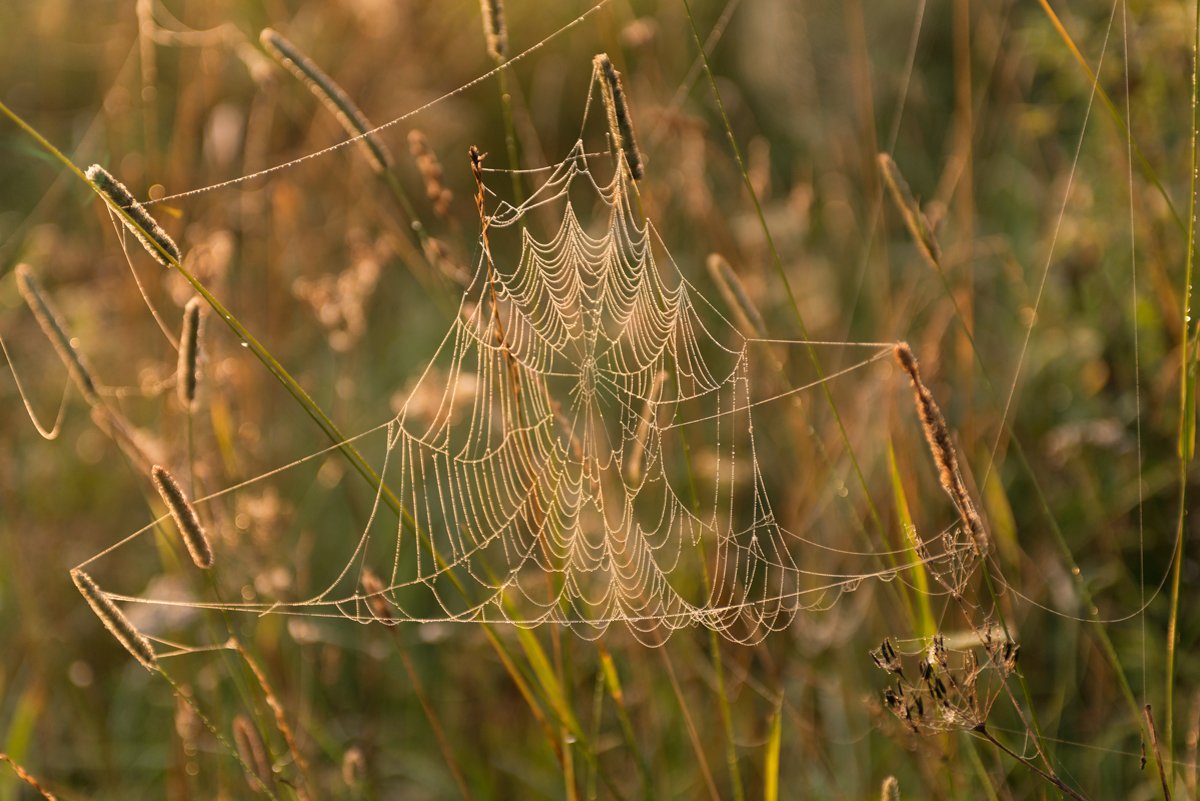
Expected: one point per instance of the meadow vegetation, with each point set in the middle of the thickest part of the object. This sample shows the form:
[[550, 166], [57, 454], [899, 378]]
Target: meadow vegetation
[[956, 239]]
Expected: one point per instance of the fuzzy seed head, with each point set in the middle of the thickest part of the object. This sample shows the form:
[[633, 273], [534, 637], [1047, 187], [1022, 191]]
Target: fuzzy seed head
[[135, 217], [494, 29], [331, 95], [184, 515], [620, 122], [189, 352], [114, 620]]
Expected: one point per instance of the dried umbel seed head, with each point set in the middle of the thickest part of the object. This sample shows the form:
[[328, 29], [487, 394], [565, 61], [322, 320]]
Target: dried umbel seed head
[[189, 352], [114, 620], [184, 516], [937, 434], [620, 122], [494, 29], [331, 95], [52, 326], [135, 217]]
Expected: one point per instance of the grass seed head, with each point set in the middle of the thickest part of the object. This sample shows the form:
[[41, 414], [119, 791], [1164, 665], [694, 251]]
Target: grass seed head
[[331, 95], [184, 515], [495, 30], [620, 122], [941, 446], [152, 236], [189, 351], [114, 620]]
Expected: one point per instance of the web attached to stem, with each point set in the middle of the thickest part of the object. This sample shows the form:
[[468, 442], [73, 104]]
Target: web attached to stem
[[555, 475]]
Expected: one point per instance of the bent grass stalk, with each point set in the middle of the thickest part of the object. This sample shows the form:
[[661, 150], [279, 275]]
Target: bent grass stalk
[[50, 321]]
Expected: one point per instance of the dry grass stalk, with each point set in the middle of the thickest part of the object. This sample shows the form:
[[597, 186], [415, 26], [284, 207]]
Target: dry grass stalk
[[152, 236], [52, 326], [277, 710], [1158, 757], [253, 752], [733, 291], [114, 620], [141, 448], [620, 122], [26, 777], [494, 28], [914, 219], [331, 95], [937, 434], [431, 173], [649, 413], [890, 790], [184, 515], [189, 352]]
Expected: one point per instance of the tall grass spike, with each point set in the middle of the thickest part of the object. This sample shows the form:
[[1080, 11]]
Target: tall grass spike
[[620, 122], [937, 434], [331, 94], [189, 351], [154, 239], [114, 620], [184, 515]]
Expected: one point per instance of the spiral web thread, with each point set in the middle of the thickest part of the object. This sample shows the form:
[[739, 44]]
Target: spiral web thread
[[550, 482]]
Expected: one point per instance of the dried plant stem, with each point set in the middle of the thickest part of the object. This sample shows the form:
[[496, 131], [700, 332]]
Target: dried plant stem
[[49, 320], [276, 709], [1158, 757], [26, 777], [982, 731], [212, 729], [377, 600]]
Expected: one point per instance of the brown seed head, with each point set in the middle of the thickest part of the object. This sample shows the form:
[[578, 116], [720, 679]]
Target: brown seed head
[[184, 515], [114, 620], [147, 230]]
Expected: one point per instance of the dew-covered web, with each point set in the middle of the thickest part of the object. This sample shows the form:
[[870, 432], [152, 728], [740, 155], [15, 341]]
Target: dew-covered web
[[582, 449]]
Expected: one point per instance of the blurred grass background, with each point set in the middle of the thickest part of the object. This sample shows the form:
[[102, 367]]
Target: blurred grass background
[[998, 122]]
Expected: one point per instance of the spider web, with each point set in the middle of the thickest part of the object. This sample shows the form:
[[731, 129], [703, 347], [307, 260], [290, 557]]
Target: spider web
[[550, 479]]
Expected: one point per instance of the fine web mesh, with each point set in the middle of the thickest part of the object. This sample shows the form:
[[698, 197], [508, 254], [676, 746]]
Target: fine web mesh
[[555, 475]]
